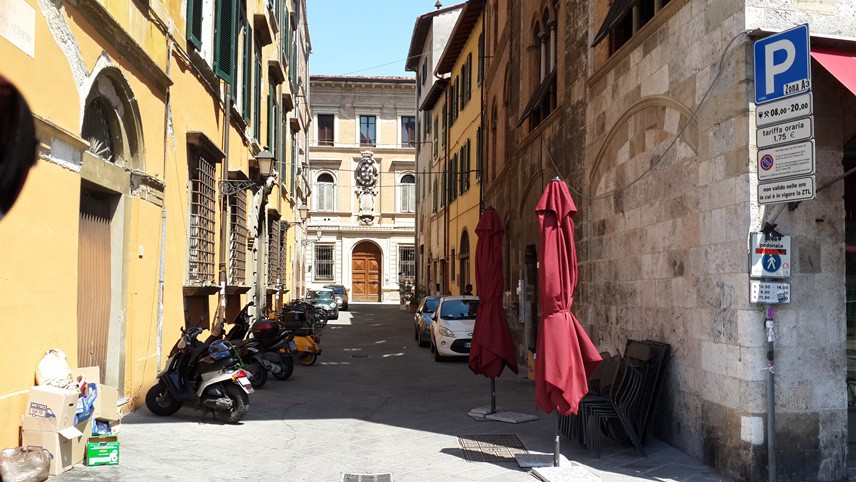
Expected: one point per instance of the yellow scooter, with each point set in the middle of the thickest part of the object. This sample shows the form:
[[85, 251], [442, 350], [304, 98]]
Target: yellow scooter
[[307, 347]]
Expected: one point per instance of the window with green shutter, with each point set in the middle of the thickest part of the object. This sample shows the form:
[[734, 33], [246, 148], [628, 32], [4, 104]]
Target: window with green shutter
[[270, 123], [194, 23], [257, 85], [225, 39], [247, 93]]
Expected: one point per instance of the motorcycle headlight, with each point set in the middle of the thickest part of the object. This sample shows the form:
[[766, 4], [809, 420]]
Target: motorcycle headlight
[[445, 331]]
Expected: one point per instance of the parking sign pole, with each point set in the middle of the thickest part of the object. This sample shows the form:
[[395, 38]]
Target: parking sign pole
[[771, 395]]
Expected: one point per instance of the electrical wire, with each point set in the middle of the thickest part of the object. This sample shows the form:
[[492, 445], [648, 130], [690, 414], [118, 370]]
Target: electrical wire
[[659, 157]]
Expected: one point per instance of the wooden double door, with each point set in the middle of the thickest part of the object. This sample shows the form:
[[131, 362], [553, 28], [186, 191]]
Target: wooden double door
[[366, 272]]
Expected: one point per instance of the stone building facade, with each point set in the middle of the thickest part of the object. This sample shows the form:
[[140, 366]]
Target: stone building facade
[[652, 125], [362, 169]]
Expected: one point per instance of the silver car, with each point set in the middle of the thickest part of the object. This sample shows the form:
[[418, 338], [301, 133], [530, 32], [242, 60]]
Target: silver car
[[340, 293], [422, 319]]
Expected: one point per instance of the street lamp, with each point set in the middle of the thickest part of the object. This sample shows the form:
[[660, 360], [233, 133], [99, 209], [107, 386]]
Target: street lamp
[[267, 163], [303, 211]]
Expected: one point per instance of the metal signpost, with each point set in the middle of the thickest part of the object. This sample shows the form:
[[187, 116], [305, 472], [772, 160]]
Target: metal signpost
[[784, 117]]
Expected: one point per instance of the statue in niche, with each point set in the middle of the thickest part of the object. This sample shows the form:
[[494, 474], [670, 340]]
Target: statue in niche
[[366, 176]]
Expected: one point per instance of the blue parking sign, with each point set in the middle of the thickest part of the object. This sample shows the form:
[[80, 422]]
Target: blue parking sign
[[782, 65]]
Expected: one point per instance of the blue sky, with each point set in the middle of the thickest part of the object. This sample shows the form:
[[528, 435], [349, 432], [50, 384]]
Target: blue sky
[[350, 36]]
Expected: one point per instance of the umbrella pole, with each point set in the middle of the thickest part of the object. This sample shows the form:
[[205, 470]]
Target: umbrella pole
[[493, 395], [556, 447]]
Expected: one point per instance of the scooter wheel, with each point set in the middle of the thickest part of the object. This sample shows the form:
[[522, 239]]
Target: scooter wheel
[[308, 358], [160, 402], [258, 373], [240, 403], [287, 366]]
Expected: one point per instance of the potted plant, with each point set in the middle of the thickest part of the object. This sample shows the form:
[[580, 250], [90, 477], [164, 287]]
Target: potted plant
[[418, 294], [405, 293]]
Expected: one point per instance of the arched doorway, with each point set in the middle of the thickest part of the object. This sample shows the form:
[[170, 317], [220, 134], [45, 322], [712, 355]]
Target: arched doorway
[[366, 272]]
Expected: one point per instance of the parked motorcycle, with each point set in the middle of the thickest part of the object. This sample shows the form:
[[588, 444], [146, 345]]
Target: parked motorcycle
[[262, 353], [307, 346], [209, 373]]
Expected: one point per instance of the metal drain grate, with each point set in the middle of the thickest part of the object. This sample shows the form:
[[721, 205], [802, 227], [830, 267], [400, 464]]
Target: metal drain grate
[[367, 478], [491, 448]]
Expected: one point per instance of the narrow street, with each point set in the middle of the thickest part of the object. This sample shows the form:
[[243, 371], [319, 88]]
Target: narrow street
[[374, 403]]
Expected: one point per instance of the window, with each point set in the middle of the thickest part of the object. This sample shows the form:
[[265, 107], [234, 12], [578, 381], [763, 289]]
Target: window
[[326, 188], [408, 131], [436, 196], [225, 38], [481, 59], [247, 71], [238, 238], [445, 125], [324, 262], [194, 23], [202, 204], [465, 167], [368, 130], [274, 246], [100, 129], [464, 256], [424, 71], [325, 129], [436, 146], [467, 77], [272, 119], [408, 194], [623, 20], [407, 261], [459, 309], [479, 152], [453, 178], [257, 110]]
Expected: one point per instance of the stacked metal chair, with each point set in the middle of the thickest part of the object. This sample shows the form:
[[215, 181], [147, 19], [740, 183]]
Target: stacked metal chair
[[623, 391]]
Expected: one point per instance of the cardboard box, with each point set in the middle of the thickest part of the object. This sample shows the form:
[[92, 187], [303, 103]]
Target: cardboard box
[[106, 405], [50, 409], [59, 445], [78, 444], [102, 451]]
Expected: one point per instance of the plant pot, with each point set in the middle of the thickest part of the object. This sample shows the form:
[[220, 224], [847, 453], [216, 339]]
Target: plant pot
[[413, 308]]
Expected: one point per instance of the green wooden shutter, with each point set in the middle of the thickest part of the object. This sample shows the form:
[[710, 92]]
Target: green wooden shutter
[[225, 35], [257, 85], [194, 23], [248, 72]]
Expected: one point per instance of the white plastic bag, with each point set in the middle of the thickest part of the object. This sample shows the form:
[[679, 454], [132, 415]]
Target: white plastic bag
[[54, 371]]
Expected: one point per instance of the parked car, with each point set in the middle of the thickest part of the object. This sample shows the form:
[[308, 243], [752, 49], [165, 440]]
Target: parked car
[[340, 293], [452, 326], [422, 319], [324, 298]]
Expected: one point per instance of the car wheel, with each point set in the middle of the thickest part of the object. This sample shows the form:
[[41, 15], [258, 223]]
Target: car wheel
[[422, 343]]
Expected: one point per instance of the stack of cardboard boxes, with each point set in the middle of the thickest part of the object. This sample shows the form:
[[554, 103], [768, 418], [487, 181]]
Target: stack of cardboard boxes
[[50, 422]]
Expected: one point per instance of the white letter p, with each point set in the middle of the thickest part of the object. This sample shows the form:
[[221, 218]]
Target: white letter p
[[774, 69]]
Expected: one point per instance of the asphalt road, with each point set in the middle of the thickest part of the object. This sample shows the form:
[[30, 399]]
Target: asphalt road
[[374, 403]]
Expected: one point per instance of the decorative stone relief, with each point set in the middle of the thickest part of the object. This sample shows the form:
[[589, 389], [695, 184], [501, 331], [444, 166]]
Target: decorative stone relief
[[366, 176]]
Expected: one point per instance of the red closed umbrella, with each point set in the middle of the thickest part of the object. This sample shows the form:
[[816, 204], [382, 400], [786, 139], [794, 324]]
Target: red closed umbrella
[[491, 348], [566, 356]]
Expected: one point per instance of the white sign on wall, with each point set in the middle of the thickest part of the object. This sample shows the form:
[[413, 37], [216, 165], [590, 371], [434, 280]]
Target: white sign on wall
[[18, 25], [769, 257], [769, 292], [785, 109], [786, 161], [787, 132], [786, 191]]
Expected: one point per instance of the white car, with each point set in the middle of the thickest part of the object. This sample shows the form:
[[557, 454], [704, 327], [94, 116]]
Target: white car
[[452, 326]]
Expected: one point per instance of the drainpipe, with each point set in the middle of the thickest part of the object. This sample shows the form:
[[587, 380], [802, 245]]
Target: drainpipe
[[224, 214], [162, 254]]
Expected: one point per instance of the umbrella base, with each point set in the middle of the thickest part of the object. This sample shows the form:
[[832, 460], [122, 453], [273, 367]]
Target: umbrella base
[[567, 472], [511, 417], [482, 412]]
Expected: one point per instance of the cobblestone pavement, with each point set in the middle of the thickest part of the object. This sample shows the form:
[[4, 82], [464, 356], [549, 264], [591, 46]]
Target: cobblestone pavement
[[374, 403]]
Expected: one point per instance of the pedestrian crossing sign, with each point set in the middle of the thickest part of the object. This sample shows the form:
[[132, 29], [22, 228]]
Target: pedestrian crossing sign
[[770, 257]]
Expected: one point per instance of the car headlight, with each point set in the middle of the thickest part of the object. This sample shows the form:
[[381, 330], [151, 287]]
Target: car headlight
[[445, 331]]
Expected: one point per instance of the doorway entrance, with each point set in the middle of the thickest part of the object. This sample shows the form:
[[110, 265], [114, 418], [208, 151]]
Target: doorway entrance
[[365, 269], [94, 275]]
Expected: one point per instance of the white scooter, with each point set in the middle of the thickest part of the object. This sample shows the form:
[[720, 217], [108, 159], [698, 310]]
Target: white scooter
[[209, 373]]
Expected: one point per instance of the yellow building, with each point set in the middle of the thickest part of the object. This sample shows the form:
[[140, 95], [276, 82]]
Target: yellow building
[[462, 113], [118, 238]]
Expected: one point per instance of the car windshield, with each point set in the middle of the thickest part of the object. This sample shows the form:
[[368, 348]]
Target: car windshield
[[430, 305], [459, 309], [320, 295], [337, 289]]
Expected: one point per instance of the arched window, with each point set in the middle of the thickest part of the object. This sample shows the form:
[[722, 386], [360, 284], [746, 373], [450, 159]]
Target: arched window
[[407, 194], [111, 121], [544, 38], [554, 29], [325, 186], [464, 257], [100, 129]]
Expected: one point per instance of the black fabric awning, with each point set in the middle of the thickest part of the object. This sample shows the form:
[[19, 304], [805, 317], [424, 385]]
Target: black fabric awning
[[617, 12], [541, 92]]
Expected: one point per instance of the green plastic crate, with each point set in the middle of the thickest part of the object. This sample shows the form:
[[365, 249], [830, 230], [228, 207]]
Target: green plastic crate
[[102, 453]]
